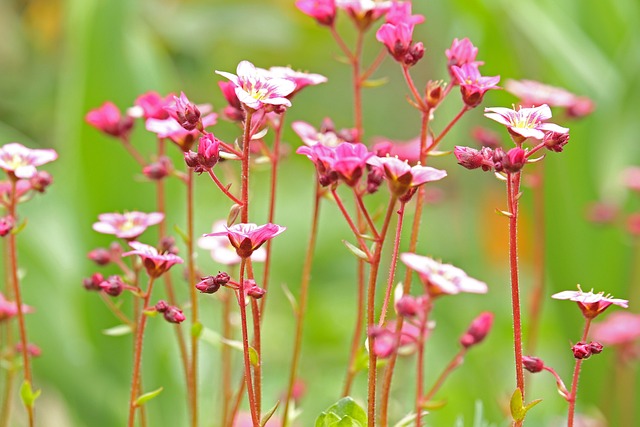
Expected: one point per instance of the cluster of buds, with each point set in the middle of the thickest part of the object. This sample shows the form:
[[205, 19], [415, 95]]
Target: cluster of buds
[[491, 159], [171, 313], [207, 156], [583, 350], [185, 113], [211, 284], [112, 286]]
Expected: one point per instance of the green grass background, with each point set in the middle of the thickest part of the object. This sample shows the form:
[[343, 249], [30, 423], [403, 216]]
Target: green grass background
[[60, 58]]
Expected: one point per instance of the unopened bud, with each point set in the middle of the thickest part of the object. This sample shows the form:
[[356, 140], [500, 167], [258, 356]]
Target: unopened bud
[[93, 283], [161, 306], [514, 160], [581, 350], [414, 54], [256, 292], [555, 141], [595, 347], [113, 286], [40, 181], [159, 169], [191, 159], [100, 256], [174, 315], [478, 330], [532, 364], [167, 245], [471, 158], [407, 306]]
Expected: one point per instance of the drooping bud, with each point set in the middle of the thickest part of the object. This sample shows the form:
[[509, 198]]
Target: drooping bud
[[40, 181], [532, 364], [256, 292], [211, 284], [471, 158], [113, 286], [478, 330], [100, 256]]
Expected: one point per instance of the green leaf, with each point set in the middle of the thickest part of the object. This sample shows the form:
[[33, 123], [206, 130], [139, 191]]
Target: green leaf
[[356, 251], [435, 153], [144, 398], [518, 409], [375, 82], [253, 357], [117, 331], [291, 298], [196, 330], [433, 404], [27, 394], [19, 228], [266, 417], [344, 413], [181, 233]]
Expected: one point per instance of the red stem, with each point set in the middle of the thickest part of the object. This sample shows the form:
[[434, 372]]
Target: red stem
[[257, 345], [133, 152], [392, 267], [450, 125], [15, 280], [382, 54], [357, 331], [356, 232], [193, 372], [365, 213], [245, 345], [453, 364], [420, 365], [223, 188], [412, 87], [302, 303], [576, 375], [246, 142], [137, 355]]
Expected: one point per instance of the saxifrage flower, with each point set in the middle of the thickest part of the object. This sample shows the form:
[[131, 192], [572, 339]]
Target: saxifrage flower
[[525, 122], [21, 162], [155, 263], [591, 304], [247, 237], [128, 225]]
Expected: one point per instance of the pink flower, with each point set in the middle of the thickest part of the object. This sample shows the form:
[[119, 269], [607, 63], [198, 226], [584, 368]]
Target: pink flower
[[9, 309], [350, 161], [442, 278], [21, 162], [184, 112], [400, 12], [478, 330], [107, 118], [300, 78], [155, 263], [591, 304], [401, 176], [631, 178], [396, 38], [460, 53], [323, 11], [472, 84], [326, 136], [22, 187], [221, 249], [207, 156], [384, 339], [255, 90], [247, 237], [129, 225], [620, 328], [170, 128], [364, 12], [151, 105], [525, 122]]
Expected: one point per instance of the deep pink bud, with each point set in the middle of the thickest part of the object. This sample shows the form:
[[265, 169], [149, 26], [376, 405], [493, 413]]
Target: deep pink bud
[[478, 330], [40, 181], [161, 306], [374, 180], [100, 256], [6, 225], [555, 141], [185, 112], [256, 292], [158, 169], [595, 347], [532, 364], [514, 160], [211, 284], [407, 306], [108, 119], [93, 283], [471, 158], [174, 315], [112, 286], [581, 350], [208, 151], [191, 158]]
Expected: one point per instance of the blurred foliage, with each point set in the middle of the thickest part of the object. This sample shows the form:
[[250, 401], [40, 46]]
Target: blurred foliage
[[60, 58]]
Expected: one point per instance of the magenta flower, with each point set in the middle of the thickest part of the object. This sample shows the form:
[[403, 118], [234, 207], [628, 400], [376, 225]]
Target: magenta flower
[[300, 78], [442, 278], [350, 161], [591, 304], [397, 39], [129, 225], [9, 309], [525, 122], [248, 237], [385, 339], [323, 11], [472, 84], [620, 328], [155, 263], [185, 112], [221, 249], [460, 53], [255, 90], [107, 118], [400, 12], [151, 105], [401, 176], [21, 162]]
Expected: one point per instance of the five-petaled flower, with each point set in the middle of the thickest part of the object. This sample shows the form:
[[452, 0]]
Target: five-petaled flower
[[473, 85], [221, 250], [525, 123], [300, 78], [256, 90], [591, 304], [20, 162], [129, 225], [442, 278], [154, 262], [247, 237], [402, 177]]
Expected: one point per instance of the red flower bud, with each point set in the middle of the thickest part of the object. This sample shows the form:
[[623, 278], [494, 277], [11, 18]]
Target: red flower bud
[[478, 330], [532, 364]]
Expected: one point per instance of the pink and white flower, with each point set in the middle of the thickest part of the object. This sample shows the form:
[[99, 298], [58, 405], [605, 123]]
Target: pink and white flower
[[400, 12], [129, 225], [155, 263], [221, 249], [402, 177], [460, 53], [300, 78], [442, 278], [525, 122], [248, 237], [589, 303], [255, 90], [21, 162]]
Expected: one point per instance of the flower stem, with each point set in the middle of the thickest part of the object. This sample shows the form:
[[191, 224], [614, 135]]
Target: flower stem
[[302, 303], [420, 365], [357, 331], [257, 367], [15, 280], [191, 267], [353, 227], [225, 358], [513, 190], [576, 375], [223, 188], [246, 141], [245, 346], [133, 152], [392, 267], [365, 213], [446, 130], [137, 355], [453, 364], [412, 87]]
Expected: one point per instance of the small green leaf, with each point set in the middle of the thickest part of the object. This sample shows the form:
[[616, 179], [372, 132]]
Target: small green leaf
[[291, 298], [19, 228], [266, 417], [433, 404], [435, 153], [375, 82], [518, 409], [117, 331], [144, 398], [505, 213], [356, 251], [27, 394], [181, 233], [196, 330], [253, 357], [150, 312]]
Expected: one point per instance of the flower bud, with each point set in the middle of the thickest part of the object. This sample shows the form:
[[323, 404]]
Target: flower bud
[[486, 138], [555, 141], [478, 330], [532, 364], [471, 158], [167, 245], [174, 315], [414, 54], [93, 283], [32, 349], [185, 113], [161, 306], [434, 93], [191, 159], [40, 181], [581, 350], [374, 180], [113, 286], [208, 151], [514, 160], [100, 256], [159, 169], [407, 306], [208, 285], [256, 292], [595, 347], [6, 225]]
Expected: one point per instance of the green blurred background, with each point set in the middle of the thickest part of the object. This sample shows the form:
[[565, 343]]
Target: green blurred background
[[60, 58]]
